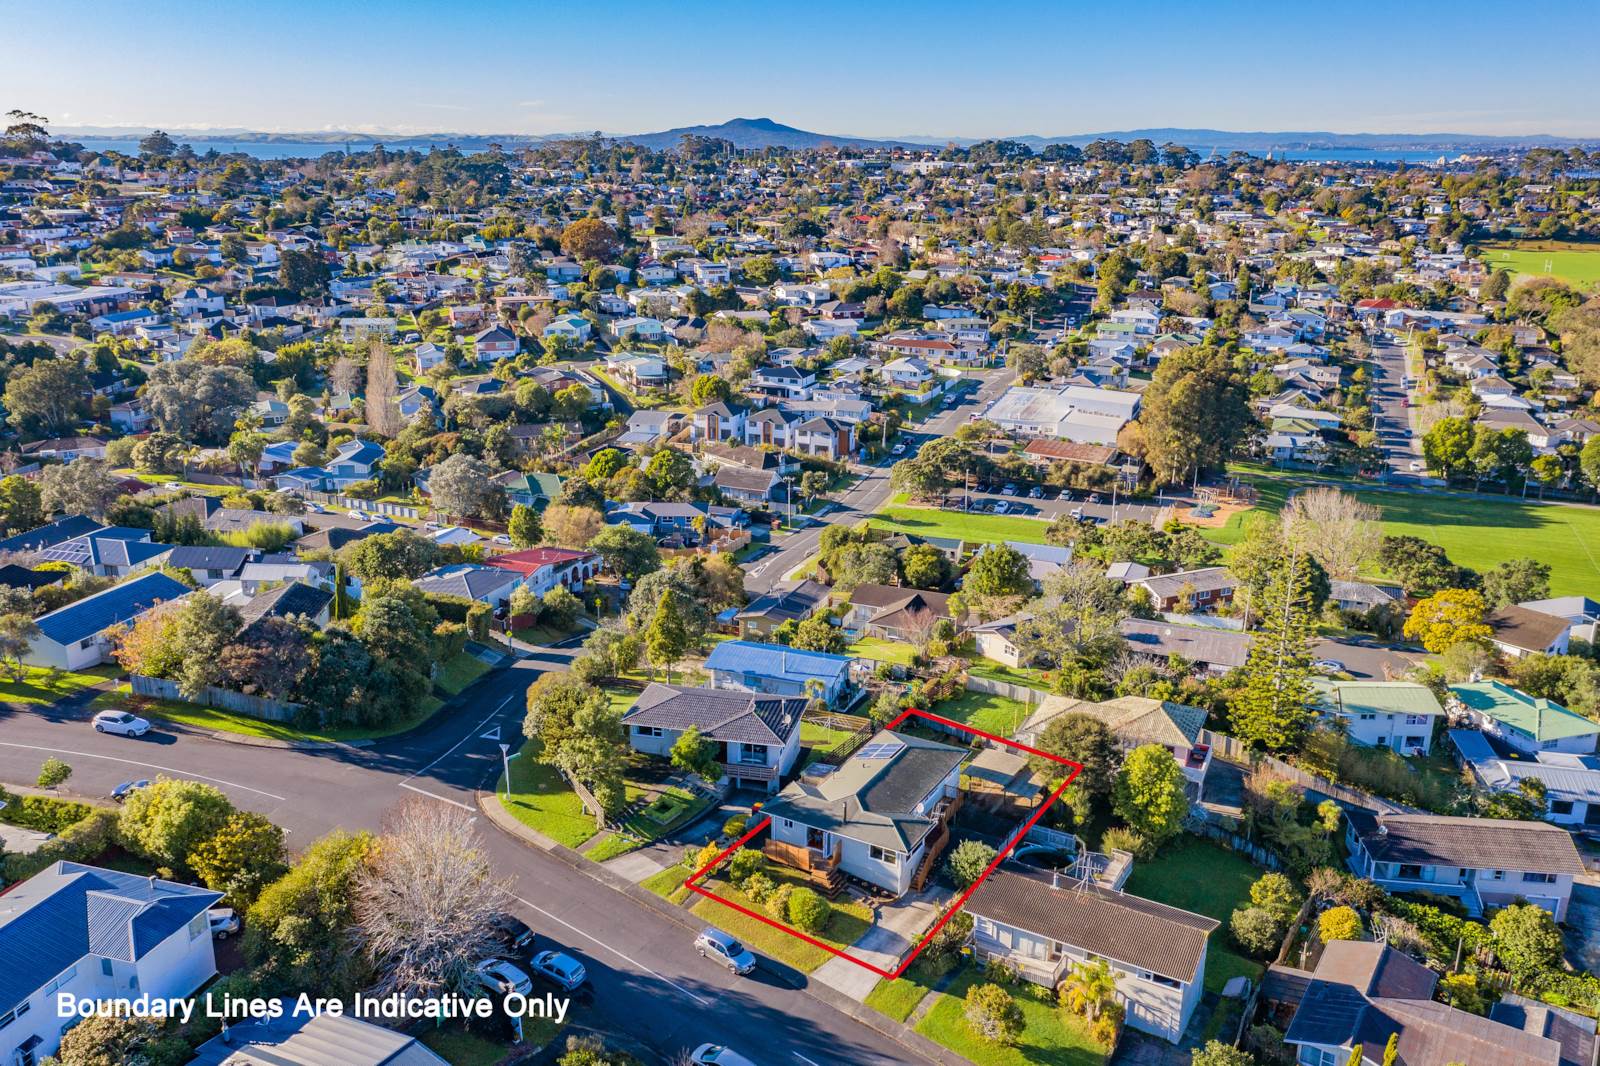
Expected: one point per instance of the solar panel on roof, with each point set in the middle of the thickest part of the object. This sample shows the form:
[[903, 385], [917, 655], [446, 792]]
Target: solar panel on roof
[[882, 750]]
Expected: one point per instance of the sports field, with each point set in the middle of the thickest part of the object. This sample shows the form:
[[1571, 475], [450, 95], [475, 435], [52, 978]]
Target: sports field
[[1576, 264]]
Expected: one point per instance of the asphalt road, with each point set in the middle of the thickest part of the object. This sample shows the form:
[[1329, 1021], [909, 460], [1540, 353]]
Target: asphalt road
[[1393, 420], [647, 981]]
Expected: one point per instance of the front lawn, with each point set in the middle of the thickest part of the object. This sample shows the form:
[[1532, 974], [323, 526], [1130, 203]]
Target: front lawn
[[898, 998], [541, 800], [459, 672], [848, 923], [668, 883], [1049, 1036], [1196, 875], [38, 686], [927, 522], [196, 716], [999, 715]]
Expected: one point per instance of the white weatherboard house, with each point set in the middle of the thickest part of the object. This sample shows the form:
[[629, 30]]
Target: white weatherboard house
[[757, 736], [1398, 715], [882, 817], [1044, 924], [74, 637], [97, 934]]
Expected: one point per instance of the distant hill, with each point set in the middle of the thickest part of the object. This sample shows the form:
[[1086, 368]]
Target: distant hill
[[1265, 141], [756, 133]]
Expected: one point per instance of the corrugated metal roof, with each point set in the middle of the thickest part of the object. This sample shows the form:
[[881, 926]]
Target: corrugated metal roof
[[122, 603]]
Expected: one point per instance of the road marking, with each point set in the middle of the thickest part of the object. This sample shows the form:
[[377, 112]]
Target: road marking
[[463, 740], [147, 766], [614, 951], [434, 795], [490, 734], [802, 1058]]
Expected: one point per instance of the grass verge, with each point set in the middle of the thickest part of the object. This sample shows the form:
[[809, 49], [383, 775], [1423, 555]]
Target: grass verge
[[847, 924], [195, 716], [541, 800]]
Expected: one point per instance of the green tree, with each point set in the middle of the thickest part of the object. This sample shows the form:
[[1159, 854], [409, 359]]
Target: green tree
[[463, 485], [53, 773], [1277, 895], [48, 397], [1195, 411], [303, 272], [1526, 939], [579, 732], [709, 389], [20, 505], [83, 486], [924, 566], [18, 631], [694, 754], [808, 910], [1272, 708], [524, 527], [818, 634], [1516, 581], [1256, 929], [1447, 445], [241, 858], [626, 551], [1216, 1053], [401, 555], [813, 483], [1149, 795], [204, 626], [108, 1040], [999, 571], [168, 820], [301, 927], [1589, 462], [668, 636], [967, 861], [993, 1015]]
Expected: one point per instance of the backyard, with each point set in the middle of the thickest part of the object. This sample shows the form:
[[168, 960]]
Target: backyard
[[991, 714], [1195, 875], [882, 651], [1049, 1035]]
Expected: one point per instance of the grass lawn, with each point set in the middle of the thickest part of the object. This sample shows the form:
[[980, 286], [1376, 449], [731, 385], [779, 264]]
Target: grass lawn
[[821, 737], [992, 714], [621, 698], [882, 651], [846, 925], [198, 717], [668, 884], [38, 686], [1028, 677], [458, 1047], [899, 998], [1199, 876], [927, 522], [1049, 1037], [541, 800], [1578, 264], [610, 847], [459, 672]]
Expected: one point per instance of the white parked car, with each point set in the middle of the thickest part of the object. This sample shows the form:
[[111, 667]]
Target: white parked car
[[223, 921], [1415, 466], [717, 1055], [898, 449], [501, 538], [121, 722], [502, 976], [564, 970], [1328, 666]]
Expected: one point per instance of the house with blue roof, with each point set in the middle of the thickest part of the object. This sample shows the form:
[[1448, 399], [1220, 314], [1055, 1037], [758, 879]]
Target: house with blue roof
[[115, 551], [778, 670], [74, 637], [95, 934]]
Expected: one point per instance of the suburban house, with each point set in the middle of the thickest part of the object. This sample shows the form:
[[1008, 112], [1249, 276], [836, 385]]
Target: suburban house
[[208, 565], [95, 934], [1213, 650], [485, 584], [1398, 715], [890, 612], [1519, 631], [62, 529], [115, 551], [1364, 993], [1190, 591], [74, 637], [1529, 724], [542, 569], [292, 1038], [998, 639], [1571, 782], [1134, 721], [295, 599], [1484, 862], [757, 737], [766, 613], [882, 817], [1044, 923], [778, 670], [718, 421], [494, 344]]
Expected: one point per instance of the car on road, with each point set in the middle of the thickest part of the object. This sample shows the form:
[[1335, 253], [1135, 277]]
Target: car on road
[[503, 976], [501, 538], [1415, 466], [1077, 514], [717, 1055], [121, 723], [513, 931], [898, 449], [564, 970], [224, 922], [128, 788], [1328, 666], [717, 945], [173, 486]]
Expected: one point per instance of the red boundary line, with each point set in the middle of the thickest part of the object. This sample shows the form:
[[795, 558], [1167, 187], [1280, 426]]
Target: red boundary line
[[905, 963]]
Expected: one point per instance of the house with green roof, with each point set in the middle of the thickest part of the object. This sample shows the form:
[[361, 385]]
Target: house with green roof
[[1530, 724], [1398, 715]]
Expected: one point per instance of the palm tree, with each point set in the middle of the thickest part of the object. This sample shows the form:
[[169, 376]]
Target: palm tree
[[1089, 989]]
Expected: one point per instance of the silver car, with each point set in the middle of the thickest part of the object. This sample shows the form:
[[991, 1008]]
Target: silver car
[[715, 944]]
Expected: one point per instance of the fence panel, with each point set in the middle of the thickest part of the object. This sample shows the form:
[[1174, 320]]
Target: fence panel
[[268, 710], [990, 687]]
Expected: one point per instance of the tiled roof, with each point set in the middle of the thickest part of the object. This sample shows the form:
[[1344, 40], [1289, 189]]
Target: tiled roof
[[740, 717]]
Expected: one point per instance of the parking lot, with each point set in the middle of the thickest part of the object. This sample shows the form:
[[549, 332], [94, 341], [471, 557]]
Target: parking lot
[[1095, 506]]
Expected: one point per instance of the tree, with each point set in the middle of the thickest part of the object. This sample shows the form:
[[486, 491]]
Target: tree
[[1089, 989], [1216, 1053], [83, 486], [627, 552], [426, 902], [17, 633], [1447, 618], [168, 820], [1149, 795], [301, 926], [157, 143], [1495, 286], [383, 405], [924, 566], [1515, 581], [196, 401], [709, 389], [1194, 412], [571, 527], [967, 862], [1447, 444], [20, 505], [999, 572], [579, 732], [1589, 462], [241, 858], [203, 626], [400, 555], [590, 238], [1087, 741], [524, 527], [670, 471], [559, 607], [668, 636], [1339, 531], [818, 634], [1422, 567], [1339, 923], [1526, 939], [1276, 894], [303, 272], [49, 397], [864, 564], [1272, 708], [1077, 619], [694, 754], [465, 485], [1256, 929], [114, 1040], [993, 1015], [53, 773]]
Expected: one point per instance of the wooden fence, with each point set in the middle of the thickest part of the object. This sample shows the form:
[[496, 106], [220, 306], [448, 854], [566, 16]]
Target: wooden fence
[[1232, 749], [1020, 693], [267, 710]]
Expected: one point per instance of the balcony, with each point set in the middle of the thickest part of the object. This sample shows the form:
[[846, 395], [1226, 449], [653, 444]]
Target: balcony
[[798, 857]]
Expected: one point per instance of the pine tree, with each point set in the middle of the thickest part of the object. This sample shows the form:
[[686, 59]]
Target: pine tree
[[668, 636], [1274, 706]]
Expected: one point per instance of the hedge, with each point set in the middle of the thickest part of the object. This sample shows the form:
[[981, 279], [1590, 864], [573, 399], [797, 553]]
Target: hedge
[[80, 842], [47, 814]]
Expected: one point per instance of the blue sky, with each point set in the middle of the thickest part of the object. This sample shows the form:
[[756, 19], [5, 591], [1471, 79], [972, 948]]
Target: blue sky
[[867, 68]]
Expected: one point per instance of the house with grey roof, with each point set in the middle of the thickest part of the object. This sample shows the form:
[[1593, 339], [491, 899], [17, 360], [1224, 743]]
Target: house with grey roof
[[1571, 782], [75, 636], [209, 564], [1044, 923], [757, 736], [1190, 591], [94, 934], [115, 551], [301, 1038], [293, 600], [1484, 862], [795, 603], [485, 584], [882, 817], [1215, 650]]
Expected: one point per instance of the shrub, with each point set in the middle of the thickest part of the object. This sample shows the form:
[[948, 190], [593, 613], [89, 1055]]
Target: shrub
[[778, 902], [993, 1015], [1339, 923], [1256, 929], [733, 828], [1526, 939], [808, 911], [47, 814], [745, 862], [696, 860], [759, 888], [967, 862], [1276, 894], [1119, 839], [1000, 972], [944, 950], [79, 842], [53, 772]]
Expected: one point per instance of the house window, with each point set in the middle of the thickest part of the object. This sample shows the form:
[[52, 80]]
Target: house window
[[197, 925], [1495, 875], [646, 731], [1560, 806], [1539, 879], [882, 855], [753, 754], [1368, 717], [105, 967], [1409, 872]]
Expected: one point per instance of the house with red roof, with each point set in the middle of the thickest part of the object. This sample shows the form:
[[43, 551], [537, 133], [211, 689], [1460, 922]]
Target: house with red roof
[[542, 569]]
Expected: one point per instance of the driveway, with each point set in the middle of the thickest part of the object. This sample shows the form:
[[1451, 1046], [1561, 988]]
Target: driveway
[[890, 939]]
